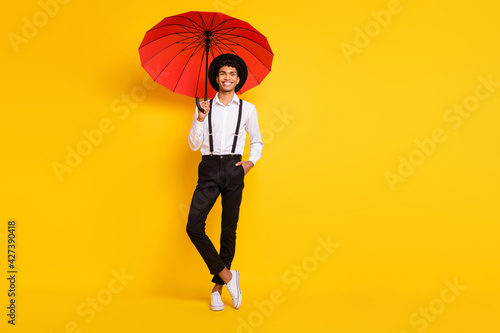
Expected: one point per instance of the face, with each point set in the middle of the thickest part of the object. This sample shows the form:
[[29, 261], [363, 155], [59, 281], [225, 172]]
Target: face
[[227, 79]]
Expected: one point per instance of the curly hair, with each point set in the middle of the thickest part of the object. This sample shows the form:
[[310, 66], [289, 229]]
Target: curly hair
[[230, 63]]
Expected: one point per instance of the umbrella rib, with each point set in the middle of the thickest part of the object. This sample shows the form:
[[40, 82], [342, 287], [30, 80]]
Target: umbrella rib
[[222, 39], [173, 33], [187, 62], [232, 31], [170, 33], [228, 46], [170, 62], [185, 34], [195, 24], [251, 54], [199, 72], [211, 22], [197, 34], [229, 30], [242, 28], [243, 37], [220, 25], [176, 25], [216, 46], [166, 47], [182, 40], [204, 28], [213, 52]]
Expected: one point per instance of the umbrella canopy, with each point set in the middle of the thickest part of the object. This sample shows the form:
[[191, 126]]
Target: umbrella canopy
[[176, 52]]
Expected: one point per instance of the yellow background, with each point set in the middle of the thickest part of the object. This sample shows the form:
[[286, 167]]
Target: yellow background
[[322, 175]]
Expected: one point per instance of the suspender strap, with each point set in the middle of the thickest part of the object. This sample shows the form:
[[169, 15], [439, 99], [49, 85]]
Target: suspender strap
[[210, 128], [237, 127]]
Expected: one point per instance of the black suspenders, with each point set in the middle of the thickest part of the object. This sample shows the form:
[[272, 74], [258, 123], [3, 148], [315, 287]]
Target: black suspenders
[[235, 132], [210, 128], [237, 127]]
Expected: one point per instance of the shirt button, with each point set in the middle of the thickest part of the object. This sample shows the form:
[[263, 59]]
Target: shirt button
[[221, 156]]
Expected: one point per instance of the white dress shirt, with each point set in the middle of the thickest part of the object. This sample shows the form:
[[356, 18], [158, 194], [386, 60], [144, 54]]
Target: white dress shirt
[[224, 119]]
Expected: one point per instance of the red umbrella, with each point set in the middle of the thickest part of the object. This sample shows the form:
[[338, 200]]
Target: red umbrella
[[176, 52]]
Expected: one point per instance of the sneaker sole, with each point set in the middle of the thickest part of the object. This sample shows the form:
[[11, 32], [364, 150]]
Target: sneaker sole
[[216, 308], [237, 305]]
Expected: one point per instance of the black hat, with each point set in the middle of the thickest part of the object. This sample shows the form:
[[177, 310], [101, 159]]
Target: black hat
[[212, 71]]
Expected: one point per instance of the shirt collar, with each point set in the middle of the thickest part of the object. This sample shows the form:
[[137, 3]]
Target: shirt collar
[[235, 100]]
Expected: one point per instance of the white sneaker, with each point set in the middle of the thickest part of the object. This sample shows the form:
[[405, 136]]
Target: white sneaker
[[216, 304], [233, 287]]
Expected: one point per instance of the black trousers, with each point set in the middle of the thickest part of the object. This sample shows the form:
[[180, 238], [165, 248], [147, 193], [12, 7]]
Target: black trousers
[[217, 175]]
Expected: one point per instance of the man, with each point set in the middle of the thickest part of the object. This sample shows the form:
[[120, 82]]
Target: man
[[220, 130]]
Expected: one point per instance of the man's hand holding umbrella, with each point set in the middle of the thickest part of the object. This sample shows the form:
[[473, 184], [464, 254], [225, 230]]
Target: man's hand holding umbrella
[[205, 105]]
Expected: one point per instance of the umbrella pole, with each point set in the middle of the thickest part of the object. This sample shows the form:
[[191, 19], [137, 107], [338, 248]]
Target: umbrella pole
[[207, 48]]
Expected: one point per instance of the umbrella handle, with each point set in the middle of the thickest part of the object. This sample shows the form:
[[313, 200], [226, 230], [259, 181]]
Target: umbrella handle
[[198, 103]]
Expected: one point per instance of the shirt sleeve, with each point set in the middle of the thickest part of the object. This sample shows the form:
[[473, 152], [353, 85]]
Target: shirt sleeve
[[253, 130], [195, 137]]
